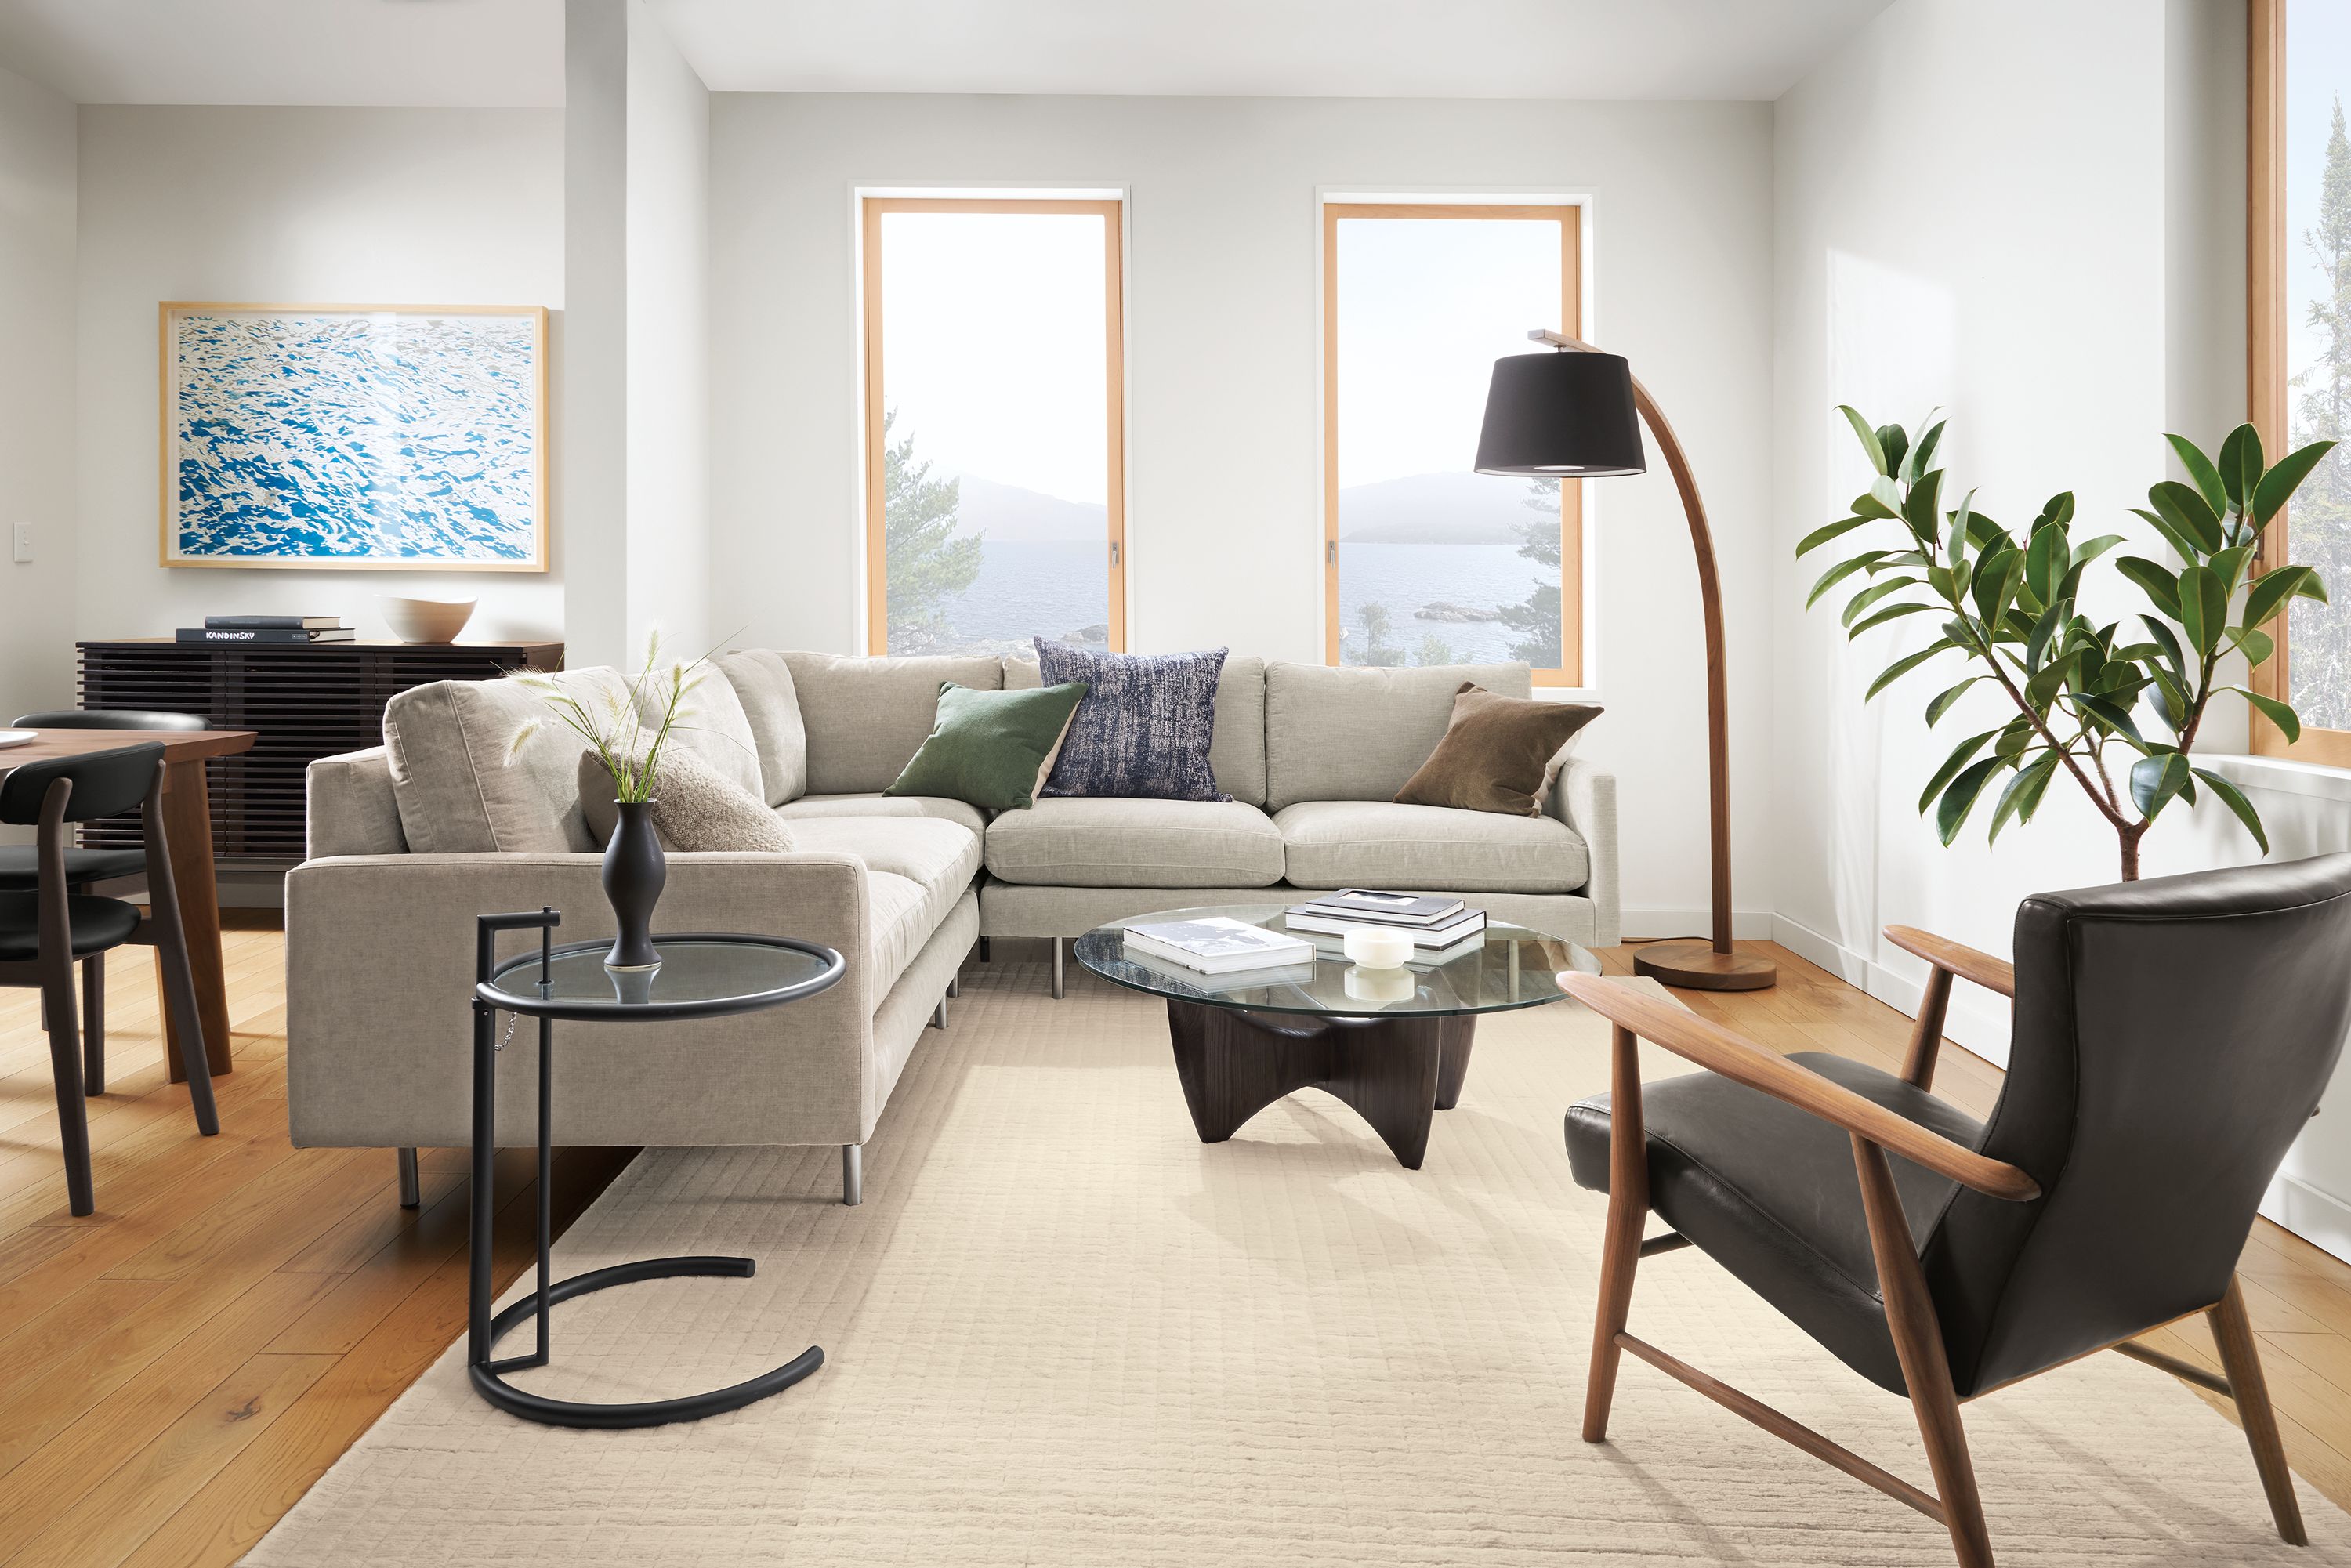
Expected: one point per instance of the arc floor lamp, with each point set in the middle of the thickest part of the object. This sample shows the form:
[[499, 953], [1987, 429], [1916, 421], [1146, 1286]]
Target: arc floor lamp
[[1576, 415]]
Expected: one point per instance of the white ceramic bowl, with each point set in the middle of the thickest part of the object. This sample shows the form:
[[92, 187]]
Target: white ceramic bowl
[[1378, 949], [426, 620], [1379, 987]]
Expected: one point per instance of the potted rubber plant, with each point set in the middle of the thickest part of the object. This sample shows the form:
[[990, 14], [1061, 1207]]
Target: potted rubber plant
[[2116, 708]]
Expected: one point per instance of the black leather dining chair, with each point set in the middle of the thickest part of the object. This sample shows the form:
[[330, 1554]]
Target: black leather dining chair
[[2172, 1039], [44, 932], [18, 873]]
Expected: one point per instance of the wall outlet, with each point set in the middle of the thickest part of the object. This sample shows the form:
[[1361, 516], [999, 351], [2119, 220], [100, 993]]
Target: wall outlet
[[21, 540]]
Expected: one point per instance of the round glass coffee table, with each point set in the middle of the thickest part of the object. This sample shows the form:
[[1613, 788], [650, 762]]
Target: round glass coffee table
[[1393, 1043], [699, 976]]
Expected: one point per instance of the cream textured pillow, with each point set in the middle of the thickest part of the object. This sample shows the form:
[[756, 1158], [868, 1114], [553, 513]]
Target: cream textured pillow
[[696, 806]]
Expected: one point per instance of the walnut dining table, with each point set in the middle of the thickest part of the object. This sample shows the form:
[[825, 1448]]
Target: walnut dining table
[[188, 828]]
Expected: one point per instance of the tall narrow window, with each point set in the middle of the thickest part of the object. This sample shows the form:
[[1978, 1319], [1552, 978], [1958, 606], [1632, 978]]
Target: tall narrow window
[[994, 463], [1425, 562], [2299, 347]]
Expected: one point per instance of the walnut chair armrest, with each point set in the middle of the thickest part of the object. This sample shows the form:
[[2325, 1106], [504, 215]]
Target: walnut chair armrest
[[1957, 959], [1740, 1060]]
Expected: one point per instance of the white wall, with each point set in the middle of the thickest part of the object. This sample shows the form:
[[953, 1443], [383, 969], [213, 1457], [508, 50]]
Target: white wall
[[1224, 449], [36, 402], [297, 205]]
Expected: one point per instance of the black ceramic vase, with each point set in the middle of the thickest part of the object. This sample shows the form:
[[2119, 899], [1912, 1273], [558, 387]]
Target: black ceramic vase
[[634, 873]]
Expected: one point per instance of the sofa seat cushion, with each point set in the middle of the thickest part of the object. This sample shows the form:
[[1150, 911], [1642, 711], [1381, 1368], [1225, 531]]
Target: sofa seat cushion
[[897, 924], [1104, 841], [875, 804], [1427, 849], [937, 859]]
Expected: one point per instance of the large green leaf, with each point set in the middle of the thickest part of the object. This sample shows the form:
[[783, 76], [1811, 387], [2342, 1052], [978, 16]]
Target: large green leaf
[[1903, 666], [2283, 480], [1923, 453], [1952, 766], [1921, 508], [2256, 646], [2161, 586], [1891, 612], [2015, 738], [2240, 464], [2059, 510], [2112, 714], [1866, 504], [2024, 792], [1872, 594], [2155, 778], [1861, 428], [1951, 812], [1997, 575], [2200, 469], [2203, 607], [2045, 560], [2279, 713], [2044, 630], [2234, 798], [2275, 587], [2171, 699], [2170, 643], [2228, 566], [2181, 545], [1838, 573], [1821, 536], [1945, 698], [2185, 510]]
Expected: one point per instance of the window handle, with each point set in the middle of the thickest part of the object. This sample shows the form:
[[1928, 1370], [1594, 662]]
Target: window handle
[[1113, 552], [1331, 552]]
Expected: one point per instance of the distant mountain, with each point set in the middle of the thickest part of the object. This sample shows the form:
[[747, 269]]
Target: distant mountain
[[1010, 515], [1434, 509]]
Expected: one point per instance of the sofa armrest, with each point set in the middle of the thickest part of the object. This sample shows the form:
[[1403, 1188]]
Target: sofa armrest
[[379, 984], [1585, 798], [350, 806]]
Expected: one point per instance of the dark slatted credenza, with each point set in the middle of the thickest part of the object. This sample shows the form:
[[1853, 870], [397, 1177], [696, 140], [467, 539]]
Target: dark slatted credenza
[[305, 702]]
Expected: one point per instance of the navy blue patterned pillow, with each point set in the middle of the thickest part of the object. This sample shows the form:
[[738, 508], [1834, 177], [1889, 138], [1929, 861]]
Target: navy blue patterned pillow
[[1145, 728]]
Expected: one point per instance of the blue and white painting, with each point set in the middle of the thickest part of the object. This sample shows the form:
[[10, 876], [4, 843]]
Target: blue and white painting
[[354, 437]]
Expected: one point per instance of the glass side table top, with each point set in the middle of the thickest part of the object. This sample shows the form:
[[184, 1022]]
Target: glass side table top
[[1513, 967], [700, 977]]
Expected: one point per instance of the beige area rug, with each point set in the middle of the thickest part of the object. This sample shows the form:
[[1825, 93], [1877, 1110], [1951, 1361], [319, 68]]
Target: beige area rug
[[1063, 1331]]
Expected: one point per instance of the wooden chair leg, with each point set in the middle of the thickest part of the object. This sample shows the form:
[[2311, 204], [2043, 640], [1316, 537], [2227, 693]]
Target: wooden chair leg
[[64, 1065], [93, 1024], [1628, 1211], [1918, 1345], [2240, 1357]]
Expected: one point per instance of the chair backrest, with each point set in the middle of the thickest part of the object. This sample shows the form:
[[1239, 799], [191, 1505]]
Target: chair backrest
[[110, 718], [2172, 1038], [105, 783]]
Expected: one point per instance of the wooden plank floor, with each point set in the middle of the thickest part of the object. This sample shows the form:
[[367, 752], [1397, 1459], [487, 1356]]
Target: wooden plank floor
[[179, 1367]]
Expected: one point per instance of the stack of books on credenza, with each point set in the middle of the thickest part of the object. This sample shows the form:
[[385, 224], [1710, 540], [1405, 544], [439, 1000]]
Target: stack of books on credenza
[[293, 630], [1442, 929]]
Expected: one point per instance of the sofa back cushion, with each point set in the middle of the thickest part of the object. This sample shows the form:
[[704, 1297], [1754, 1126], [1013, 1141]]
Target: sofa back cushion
[[866, 718], [456, 791], [1359, 734], [771, 706], [714, 726], [1237, 750]]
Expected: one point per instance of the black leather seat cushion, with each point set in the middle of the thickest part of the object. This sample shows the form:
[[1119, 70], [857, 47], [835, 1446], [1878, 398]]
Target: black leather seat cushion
[[97, 924], [21, 872], [1771, 1193]]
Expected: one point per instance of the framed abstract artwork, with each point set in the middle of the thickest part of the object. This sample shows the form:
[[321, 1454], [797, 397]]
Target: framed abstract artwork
[[392, 437]]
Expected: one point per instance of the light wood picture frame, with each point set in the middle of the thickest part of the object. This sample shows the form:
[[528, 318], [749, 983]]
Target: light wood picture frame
[[353, 437]]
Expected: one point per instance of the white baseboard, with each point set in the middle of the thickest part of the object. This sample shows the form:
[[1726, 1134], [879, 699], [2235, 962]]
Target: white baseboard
[[1976, 1021], [1650, 925], [2316, 1216]]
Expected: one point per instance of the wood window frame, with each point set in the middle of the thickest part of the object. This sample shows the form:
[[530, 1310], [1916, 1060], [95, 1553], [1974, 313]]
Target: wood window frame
[[1111, 211], [1570, 217], [2266, 341]]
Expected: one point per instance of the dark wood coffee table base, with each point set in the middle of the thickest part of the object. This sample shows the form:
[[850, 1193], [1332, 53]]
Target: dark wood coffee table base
[[1398, 1073]]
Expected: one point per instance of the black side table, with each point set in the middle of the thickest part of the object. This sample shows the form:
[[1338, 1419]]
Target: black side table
[[700, 977]]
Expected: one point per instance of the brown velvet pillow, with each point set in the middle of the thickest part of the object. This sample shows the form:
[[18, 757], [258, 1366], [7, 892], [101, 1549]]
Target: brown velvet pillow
[[1498, 753]]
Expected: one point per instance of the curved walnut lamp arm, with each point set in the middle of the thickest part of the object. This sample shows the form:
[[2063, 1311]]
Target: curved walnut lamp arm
[[1683, 963]]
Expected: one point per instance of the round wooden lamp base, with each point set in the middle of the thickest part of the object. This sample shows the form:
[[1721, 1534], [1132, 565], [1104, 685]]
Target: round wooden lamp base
[[1695, 966]]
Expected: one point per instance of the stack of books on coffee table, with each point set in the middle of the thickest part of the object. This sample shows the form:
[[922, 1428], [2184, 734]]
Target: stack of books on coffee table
[[1441, 928], [1231, 952], [288, 630]]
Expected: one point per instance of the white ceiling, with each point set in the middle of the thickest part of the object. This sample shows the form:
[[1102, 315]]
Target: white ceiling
[[495, 52]]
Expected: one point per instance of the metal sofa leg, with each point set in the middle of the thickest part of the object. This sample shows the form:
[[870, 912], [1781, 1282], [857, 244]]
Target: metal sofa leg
[[955, 987], [852, 1175], [411, 1194], [1060, 981], [939, 1014]]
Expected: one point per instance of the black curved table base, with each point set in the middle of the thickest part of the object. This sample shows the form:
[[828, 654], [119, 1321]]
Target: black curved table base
[[489, 1383]]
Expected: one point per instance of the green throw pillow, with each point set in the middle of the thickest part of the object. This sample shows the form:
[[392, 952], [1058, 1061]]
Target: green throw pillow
[[992, 749]]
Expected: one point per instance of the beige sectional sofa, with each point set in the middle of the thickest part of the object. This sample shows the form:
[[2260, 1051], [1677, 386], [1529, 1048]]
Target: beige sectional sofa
[[409, 841]]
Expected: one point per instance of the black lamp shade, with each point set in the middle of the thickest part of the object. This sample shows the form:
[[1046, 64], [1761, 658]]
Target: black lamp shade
[[1569, 413]]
